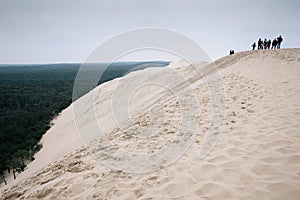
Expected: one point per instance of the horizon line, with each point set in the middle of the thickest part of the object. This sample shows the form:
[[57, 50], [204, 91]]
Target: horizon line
[[55, 63]]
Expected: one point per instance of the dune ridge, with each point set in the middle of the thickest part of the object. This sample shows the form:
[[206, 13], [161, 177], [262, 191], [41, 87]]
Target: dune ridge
[[256, 156]]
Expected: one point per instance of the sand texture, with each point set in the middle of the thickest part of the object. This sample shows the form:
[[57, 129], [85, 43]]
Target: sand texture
[[257, 154]]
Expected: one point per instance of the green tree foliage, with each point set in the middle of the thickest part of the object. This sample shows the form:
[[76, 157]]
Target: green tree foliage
[[30, 97]]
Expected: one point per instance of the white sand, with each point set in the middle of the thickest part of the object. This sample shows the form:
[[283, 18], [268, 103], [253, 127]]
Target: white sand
[[257, 155]]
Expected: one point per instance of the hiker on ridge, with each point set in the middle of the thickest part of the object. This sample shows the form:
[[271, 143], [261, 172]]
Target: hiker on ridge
[[274, 44], [259, 44], [269, 44], [265, 43], [279, 40], [253, 46]]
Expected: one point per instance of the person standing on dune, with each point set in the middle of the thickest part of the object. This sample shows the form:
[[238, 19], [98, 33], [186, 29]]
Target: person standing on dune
[[279, 40], [265, 43], [253, 46], [274, 44], [269, 44], [259, 44]]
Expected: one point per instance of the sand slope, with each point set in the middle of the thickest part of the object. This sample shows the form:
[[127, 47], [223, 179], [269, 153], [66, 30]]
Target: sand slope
[[256, 157]]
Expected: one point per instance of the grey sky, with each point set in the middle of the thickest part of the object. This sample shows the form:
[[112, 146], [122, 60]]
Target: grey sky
[[44, 31]]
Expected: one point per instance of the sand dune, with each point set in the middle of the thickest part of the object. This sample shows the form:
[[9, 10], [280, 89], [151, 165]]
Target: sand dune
[[256, 156]]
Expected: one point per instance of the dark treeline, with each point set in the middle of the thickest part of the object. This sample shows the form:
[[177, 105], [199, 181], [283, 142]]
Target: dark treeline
[[31, 96]]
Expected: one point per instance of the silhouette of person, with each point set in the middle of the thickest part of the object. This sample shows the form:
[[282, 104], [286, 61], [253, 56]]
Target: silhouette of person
[[231, 52], [253, 46], [269, 44], [279, 40], [259, 43], [274, 44], [265, 43]]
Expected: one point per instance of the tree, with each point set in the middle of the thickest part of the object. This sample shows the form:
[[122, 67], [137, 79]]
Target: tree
[[22, 155], [2, 177]]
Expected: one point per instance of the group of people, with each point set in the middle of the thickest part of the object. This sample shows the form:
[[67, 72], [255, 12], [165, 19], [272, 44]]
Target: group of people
[[266, 44]]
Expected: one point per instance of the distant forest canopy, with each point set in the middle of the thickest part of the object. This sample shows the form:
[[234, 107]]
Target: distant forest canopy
[[31, 96]]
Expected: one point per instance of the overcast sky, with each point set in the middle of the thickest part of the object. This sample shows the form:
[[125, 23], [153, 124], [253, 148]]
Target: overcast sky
[[47, 31]]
